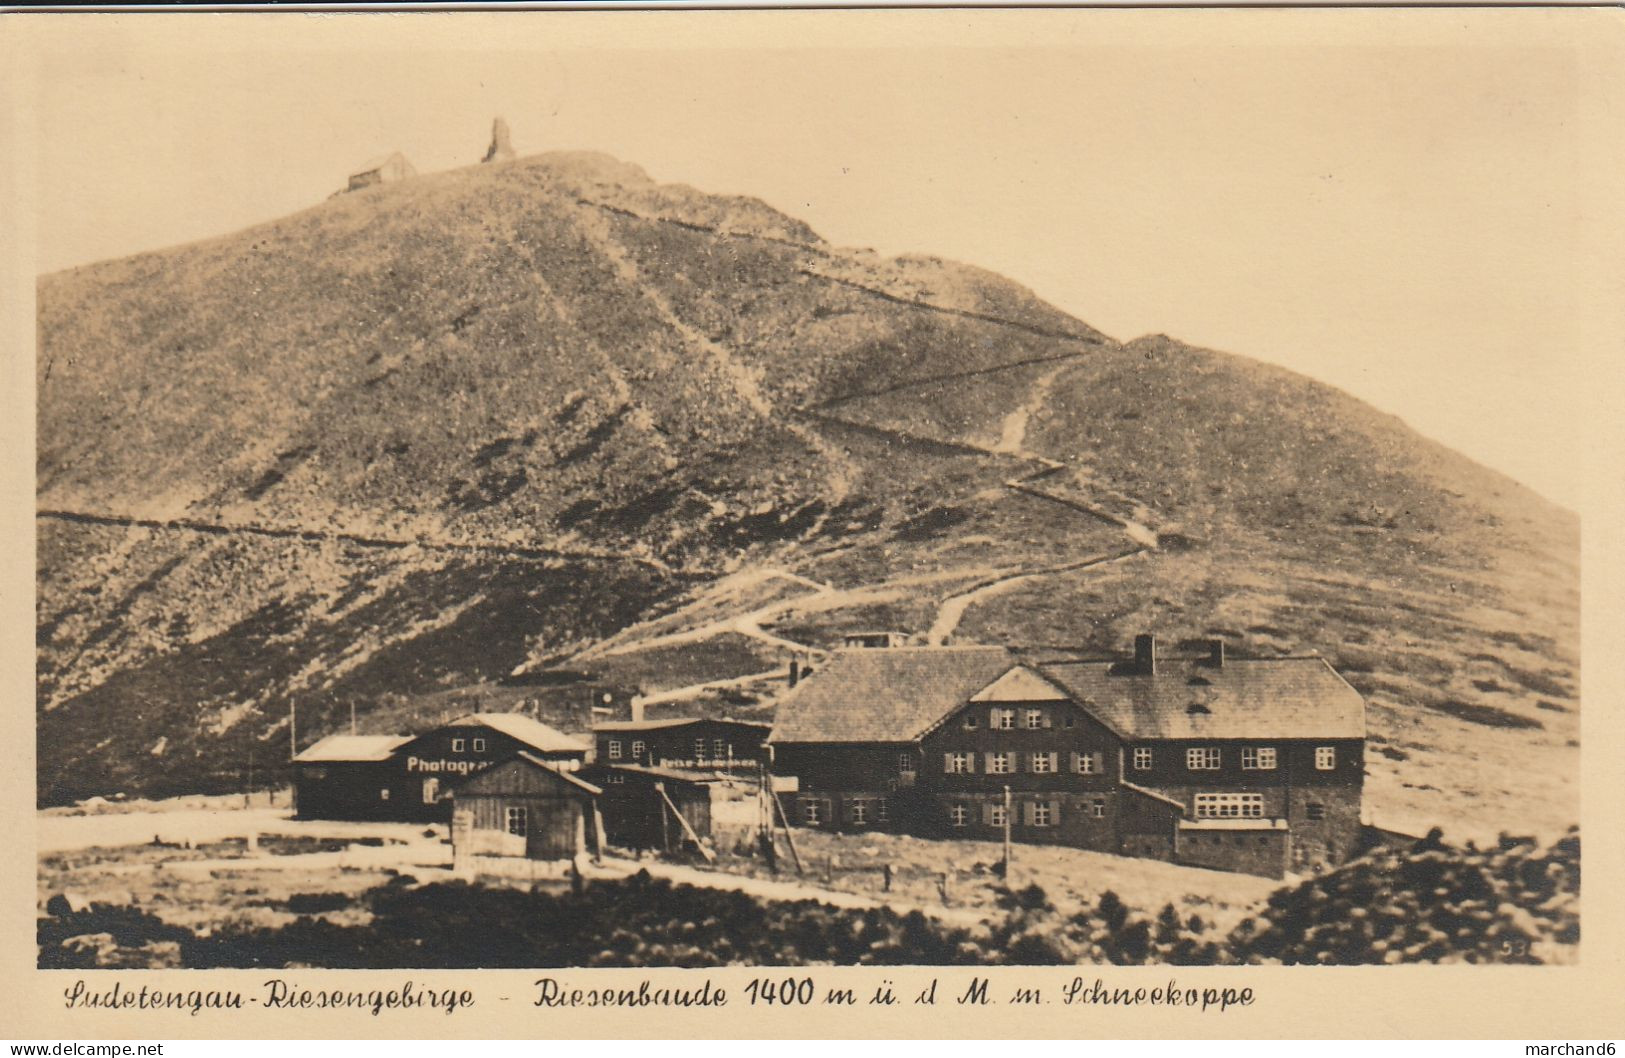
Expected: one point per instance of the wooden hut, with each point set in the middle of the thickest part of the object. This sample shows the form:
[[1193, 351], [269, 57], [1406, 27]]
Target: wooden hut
[[526, 807]]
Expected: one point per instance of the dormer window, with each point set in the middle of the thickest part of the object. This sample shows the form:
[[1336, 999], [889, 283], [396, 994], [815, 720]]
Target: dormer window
[[1325, 757], [1035, 719]]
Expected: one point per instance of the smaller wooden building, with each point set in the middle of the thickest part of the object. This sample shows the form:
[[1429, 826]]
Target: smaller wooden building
[[525, 807], [347, 777], [651, 808], [682, 742]]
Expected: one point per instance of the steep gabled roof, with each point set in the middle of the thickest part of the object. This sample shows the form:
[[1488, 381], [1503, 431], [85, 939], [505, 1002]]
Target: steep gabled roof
[[352, 748], [894, 694], [532, 733], [1287, 698], [481, 780]]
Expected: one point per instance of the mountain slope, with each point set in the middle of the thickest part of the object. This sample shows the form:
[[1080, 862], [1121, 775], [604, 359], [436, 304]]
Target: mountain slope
[[503, 432]]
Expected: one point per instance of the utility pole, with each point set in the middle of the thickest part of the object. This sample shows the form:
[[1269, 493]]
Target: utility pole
[[1007, 807], [293, 729]]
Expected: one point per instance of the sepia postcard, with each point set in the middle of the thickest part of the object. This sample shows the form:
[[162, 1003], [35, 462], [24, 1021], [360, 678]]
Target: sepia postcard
[[1029, 523]]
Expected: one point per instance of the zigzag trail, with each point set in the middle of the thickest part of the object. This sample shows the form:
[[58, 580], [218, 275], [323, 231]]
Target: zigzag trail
[[951, 611], [744, 381]]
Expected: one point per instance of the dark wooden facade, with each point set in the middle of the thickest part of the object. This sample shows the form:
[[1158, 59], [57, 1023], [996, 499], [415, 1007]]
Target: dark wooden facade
[[635, 814], [352, 790]]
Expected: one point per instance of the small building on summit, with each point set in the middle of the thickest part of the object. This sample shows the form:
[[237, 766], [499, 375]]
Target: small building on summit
[[385, 169], [682, 742], [409, 778], [1241, 764]]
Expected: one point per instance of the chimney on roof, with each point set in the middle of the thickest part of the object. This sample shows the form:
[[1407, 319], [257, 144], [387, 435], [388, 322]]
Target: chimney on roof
[[795, 670], [1215, 653], [1145, 654], [637, 708]]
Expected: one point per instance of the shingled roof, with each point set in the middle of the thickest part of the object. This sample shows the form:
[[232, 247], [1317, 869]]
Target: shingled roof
[[1301, 697], [890, 695]]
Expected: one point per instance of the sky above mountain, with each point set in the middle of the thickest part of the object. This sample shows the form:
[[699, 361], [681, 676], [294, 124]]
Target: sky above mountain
[[1406, 223]]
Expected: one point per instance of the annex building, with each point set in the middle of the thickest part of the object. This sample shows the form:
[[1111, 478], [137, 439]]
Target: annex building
[[409, 778], [1253, 765]]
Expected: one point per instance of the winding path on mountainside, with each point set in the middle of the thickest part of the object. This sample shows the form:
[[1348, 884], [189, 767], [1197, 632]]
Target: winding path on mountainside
[[951, 611]]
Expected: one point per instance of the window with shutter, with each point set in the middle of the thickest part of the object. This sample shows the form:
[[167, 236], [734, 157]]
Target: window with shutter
[[1055, 813]]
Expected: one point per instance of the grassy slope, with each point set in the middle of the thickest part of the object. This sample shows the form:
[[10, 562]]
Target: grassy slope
[[559, 353]]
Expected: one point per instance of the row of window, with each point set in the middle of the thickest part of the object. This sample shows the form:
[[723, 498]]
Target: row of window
[[460, 745], [1243, 806], [1203, 758], [859, 812], [721, 749], [1033, 813], [1008, 762], [1253, 758], [1002, 719]]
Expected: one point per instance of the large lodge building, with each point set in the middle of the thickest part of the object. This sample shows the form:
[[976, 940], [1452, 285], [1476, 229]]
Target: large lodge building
[[1253, 765]]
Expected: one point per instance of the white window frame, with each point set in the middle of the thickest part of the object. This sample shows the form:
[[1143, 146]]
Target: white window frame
[[615, 778], [958, 816], [959, 763], [1229, 805], [1039, 762], [1142, 758], [858, 813], [457, 745], [1097, 809], [719, 749], [516, 815], [1041, 814], [1086, 763], [637, 749], [383, 793], [614, 749], [1002, 763], [1203, 758], [479, 745], [881, 815], [812, 811], [1325, 758], [1034, 719], [699, 749], [1004, 720], [996, 814], [1258, 758], [905, 764]]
